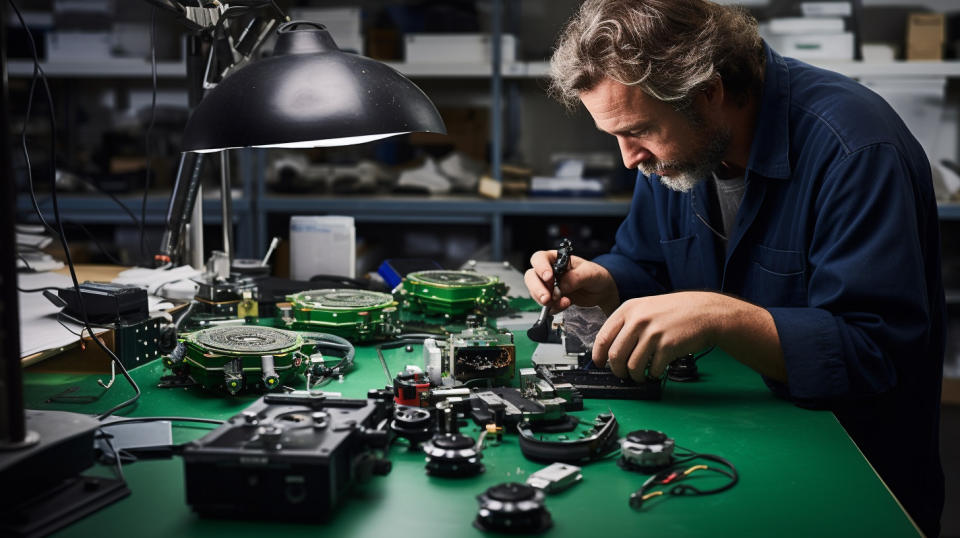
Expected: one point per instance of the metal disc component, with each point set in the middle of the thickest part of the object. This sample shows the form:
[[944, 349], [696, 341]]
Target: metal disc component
[[343, 299], [452, 455], [247, 339], [451, 278], [357, 315], [512, 508], [645, 450]]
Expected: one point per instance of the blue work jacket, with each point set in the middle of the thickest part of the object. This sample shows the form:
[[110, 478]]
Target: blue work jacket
[[838, 238]]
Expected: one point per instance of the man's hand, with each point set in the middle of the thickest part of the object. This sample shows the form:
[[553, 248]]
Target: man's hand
[[649, 332], [584, 284]]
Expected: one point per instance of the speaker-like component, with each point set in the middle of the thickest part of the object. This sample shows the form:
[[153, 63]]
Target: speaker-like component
[[357, 315], [512, 508], [452, 293], [239, 357], [646, 450]]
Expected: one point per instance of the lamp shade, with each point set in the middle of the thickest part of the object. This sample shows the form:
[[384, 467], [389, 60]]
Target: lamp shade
[[309, 94]]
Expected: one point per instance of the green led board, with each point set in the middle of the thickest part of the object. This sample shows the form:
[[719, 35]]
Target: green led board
[[234, 357], [357, 315], [451, 293]]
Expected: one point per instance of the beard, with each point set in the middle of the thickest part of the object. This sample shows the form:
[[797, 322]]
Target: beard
[[703, 158]]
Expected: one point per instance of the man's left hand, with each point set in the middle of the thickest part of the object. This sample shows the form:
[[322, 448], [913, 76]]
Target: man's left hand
[[647, 333]]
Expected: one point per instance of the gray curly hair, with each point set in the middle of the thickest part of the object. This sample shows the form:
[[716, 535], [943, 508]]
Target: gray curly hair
[[671, 49]]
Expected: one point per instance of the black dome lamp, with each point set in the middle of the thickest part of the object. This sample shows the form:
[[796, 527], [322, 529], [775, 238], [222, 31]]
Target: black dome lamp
[[309, 94]]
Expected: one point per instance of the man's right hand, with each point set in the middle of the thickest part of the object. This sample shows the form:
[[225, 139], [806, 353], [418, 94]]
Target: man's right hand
[[584, 284]]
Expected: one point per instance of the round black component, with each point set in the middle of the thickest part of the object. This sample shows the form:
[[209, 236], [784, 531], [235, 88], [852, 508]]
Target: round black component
[[412, 423], [453, 441], [512, 508], [511, 492], [647, 437], [452, 455], [683, 370], [408, 348]]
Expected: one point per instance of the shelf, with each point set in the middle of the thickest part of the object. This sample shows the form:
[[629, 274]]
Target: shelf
[[137, 68], [445, 207], [897, 69], [98, 209], [112, 68]]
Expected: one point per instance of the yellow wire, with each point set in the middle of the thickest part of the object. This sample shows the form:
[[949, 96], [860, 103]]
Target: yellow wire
[[651, 495], [694, 468]]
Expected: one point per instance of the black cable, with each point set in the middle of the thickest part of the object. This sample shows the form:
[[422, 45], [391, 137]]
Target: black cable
[[153, 117], [56, 212], [113, 259], [676, 474], [116, 453], [25, 262], [113, 197]]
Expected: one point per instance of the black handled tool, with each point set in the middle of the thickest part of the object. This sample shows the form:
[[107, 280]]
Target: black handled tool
[[540, 332]]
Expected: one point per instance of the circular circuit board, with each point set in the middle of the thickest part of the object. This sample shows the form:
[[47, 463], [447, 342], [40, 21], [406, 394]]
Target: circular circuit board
[[342, 299], [247, 339], [454, 279]]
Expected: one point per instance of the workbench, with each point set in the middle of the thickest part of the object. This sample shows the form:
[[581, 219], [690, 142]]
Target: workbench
[[800, 474]]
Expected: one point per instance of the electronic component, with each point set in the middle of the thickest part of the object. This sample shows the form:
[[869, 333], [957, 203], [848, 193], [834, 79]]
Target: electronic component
[[508, 407], [555, 477], [512, 508], [287, 457], [413, 424], [602, 383], [106, 303], [482, 353], [683, 369], [596, 443], [237, 357], [646, 450], [224, 299], [357, 315], [408, 387], [452, 455], [451, 294]]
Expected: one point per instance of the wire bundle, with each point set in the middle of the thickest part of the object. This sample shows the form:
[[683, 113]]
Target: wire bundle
[[682, 471]]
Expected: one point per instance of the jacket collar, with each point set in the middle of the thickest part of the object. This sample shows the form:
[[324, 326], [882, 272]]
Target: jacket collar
[[770, 149]]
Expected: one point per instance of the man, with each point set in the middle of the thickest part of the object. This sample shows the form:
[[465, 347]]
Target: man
[[782, 213]]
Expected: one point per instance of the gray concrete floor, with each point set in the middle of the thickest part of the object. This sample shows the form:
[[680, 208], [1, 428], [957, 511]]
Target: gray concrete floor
[[950, 454]]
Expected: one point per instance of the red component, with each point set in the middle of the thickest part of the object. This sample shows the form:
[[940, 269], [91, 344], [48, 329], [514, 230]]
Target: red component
[[407, 389], [670, 478]]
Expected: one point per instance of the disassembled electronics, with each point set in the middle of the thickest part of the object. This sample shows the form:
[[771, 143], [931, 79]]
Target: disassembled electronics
[[540, 332], [506, 407], [287, 457], [646, 451], [512, 508], [452, 455], [106, 303], [598, 442], [603, 383], [676, 475], [413, 424], [357, 315], [555, 477], [451, 294], [475, 353], [236, 357], [683, 369], [409, 386]]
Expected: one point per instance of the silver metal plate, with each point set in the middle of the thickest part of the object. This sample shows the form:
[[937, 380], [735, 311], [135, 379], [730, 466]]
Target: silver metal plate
[[246, 339], [451, 278], [340, 299]]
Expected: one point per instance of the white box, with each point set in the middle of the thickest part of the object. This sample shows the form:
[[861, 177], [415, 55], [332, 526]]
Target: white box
[[322, 245], [343, 23], [826, 9], [813, 47], [457, 48], [806, 25]]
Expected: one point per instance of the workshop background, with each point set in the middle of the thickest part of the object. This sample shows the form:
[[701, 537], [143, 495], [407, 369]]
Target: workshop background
[[515, 173]]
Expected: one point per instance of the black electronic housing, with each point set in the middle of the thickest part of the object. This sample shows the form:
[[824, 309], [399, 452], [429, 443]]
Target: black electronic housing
[[289, 457], [106, 303]]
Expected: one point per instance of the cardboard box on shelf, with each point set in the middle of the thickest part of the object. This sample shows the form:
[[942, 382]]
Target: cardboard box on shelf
[[468, 129], [926, 33]]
